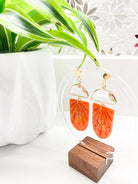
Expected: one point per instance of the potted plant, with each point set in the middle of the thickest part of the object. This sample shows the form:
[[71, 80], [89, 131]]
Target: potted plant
[[24, 25]]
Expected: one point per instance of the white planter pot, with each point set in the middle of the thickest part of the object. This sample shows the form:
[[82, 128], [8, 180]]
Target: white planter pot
[[27, 96]]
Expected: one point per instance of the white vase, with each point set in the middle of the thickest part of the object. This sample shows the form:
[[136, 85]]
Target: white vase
[[27, 96]]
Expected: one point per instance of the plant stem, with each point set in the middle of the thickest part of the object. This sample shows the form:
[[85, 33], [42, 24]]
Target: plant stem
[[60, 50], [82, 62]]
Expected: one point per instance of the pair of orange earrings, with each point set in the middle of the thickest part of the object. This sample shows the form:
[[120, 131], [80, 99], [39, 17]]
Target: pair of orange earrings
[[102, 116]]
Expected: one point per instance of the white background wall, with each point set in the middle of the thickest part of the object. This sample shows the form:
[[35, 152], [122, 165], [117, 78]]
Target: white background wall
[[116, 23]]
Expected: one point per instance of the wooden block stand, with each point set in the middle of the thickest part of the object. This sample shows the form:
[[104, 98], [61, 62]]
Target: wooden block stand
[[91, 158]]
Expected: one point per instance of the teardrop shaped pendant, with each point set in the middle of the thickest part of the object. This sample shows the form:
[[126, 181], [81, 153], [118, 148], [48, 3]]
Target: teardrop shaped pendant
[[102, 120], [79, 114]]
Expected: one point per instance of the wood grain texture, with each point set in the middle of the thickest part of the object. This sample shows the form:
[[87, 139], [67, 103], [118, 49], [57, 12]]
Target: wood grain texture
[[90, 158], [97, 146]]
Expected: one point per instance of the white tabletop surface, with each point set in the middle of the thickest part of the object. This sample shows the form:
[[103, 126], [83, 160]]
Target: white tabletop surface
[[45, 160]]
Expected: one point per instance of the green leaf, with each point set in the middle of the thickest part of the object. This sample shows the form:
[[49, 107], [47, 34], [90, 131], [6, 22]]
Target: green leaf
[[74, 42], [2, 4], [21, 24], [14, 36], [6, 39], [1, 48], [79, 33], [83, 39], [23, 44], [64, 4], [23, 5], [37, 17], [58, 12], [17, 21], [52, 11], [89, 27]]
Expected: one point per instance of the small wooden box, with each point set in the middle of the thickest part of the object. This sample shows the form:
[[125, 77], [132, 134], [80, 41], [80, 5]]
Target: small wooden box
[[91, 157]]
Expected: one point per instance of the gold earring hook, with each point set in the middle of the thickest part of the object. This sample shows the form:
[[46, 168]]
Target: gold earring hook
[[78, 73]]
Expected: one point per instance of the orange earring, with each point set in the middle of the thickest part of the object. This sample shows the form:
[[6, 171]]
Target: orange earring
[[103, 116], [79, 110]]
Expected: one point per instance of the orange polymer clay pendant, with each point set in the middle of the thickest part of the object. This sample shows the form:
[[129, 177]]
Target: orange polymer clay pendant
[[102, 120], [79, 114]]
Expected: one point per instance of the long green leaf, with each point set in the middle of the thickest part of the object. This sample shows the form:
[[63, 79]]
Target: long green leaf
[[74, 42], [85, 20], [14, 36], [2, 4], [20, 23], [83, 39], [39, 19], [1, 47], [89, 27], [23, 43], [79, 33], [6, 39], [58, 12], [17, 21], [24, 6], [52, 11], [64, 4]]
